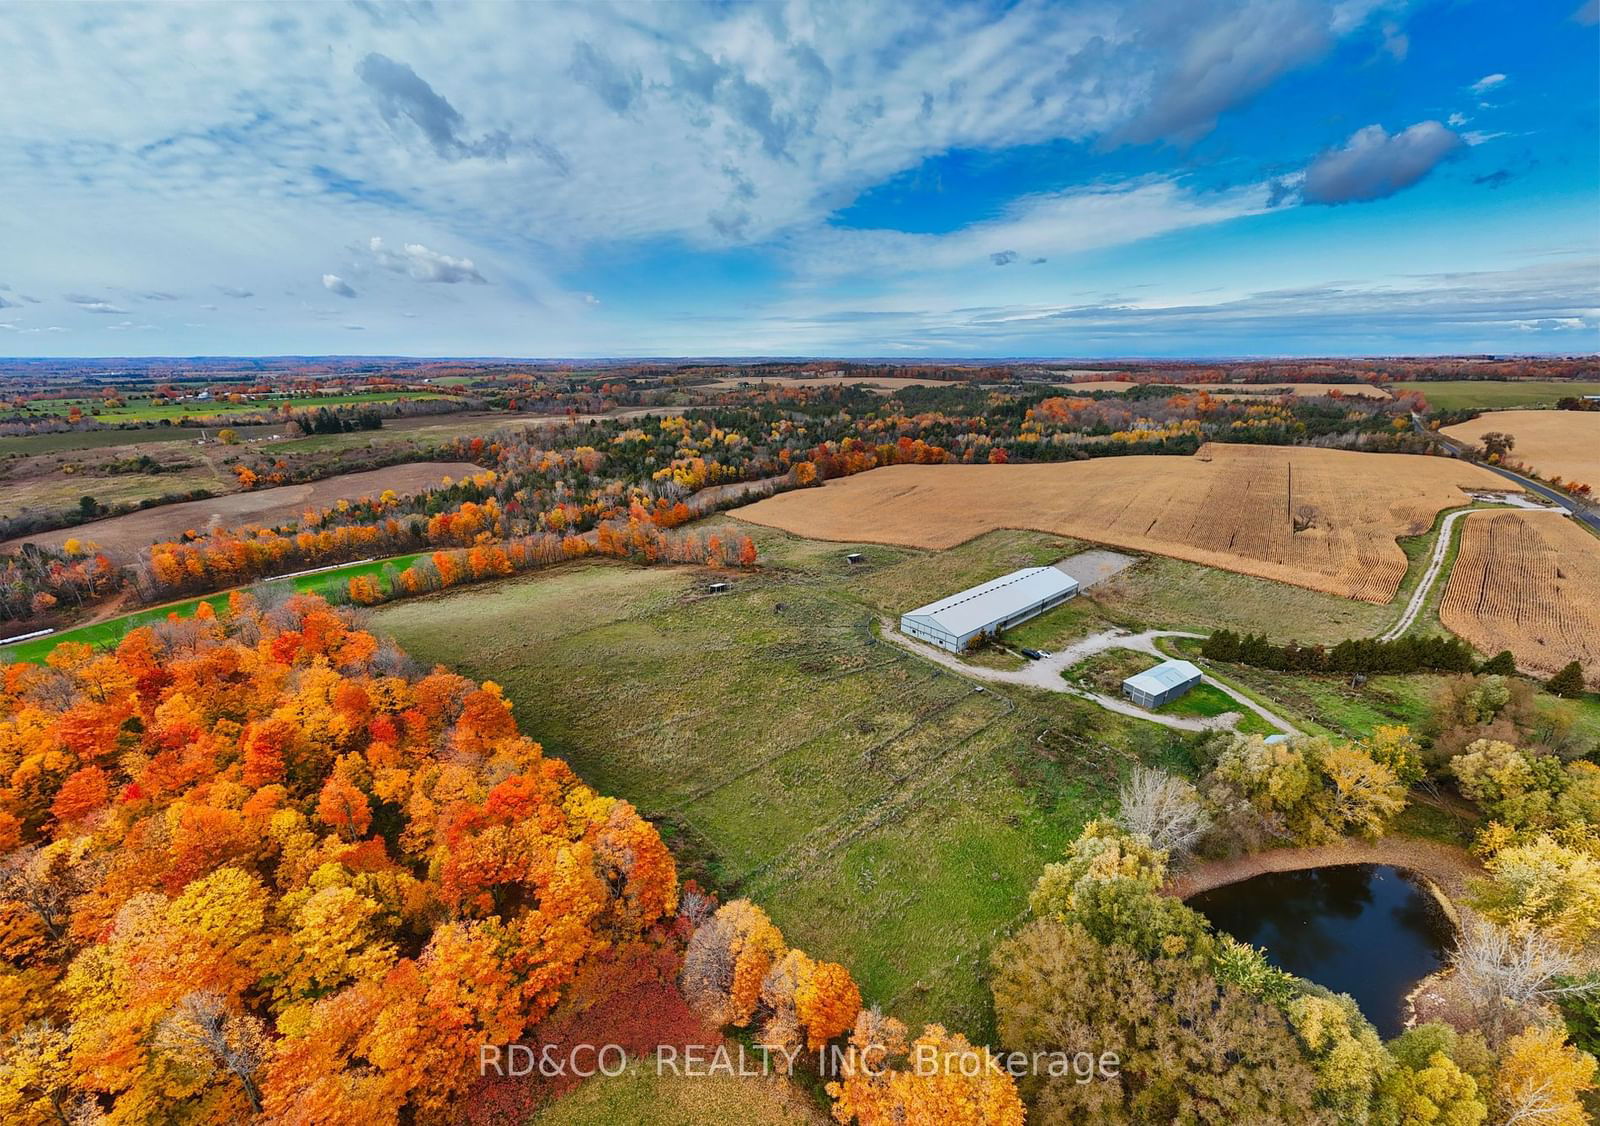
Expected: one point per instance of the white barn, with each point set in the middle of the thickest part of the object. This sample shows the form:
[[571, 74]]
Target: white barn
[[988, 607], [1162, 684]]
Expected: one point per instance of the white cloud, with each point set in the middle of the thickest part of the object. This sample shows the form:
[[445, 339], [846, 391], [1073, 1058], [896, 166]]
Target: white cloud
[[1457, 120], [1486, 83], [1058, 223], [425, 265], [93, 304], [333, 283]]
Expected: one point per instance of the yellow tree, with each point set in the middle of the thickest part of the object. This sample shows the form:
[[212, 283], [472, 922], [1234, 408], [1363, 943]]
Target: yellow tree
[[1540, 1079], [949, 1081], [727, 961], [1544, 884]]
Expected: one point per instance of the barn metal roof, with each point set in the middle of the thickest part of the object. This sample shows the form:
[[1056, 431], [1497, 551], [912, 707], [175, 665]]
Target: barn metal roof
[[994, 601], [1168, 674]]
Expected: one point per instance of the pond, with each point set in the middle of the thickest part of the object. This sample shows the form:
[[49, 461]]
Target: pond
[[1368, 930]]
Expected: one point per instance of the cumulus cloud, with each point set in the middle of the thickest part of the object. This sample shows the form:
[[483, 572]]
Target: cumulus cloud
[[1374, 164], [424, 265], [333, 283], [401, 94], [1003, 257], [90, 304], [1457, 120], [1486, 83]]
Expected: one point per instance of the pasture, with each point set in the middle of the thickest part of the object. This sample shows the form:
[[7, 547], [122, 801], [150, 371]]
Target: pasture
[[1528, 582], [887, 813], [1486, 394], [1563, 444], [1327, 520], [138, 409], [123, 537], [649, 1092]]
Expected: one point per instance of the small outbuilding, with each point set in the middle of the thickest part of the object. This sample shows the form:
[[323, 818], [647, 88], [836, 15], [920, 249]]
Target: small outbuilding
[[1161, 685], [990, 607], [854, 557]]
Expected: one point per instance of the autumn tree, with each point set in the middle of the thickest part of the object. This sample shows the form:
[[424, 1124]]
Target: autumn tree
[[727, 961], [938, 1078], [1541, 1079], [1189, 1049]]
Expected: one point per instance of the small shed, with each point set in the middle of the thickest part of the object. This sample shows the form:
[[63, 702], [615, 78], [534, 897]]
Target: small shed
[[1161, 685], [854, 557], [717, 588]]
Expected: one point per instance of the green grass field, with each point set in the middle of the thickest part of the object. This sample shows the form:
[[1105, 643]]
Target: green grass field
[[887, 813], [650, 1093], [146, 410], [1460, 394], [1171, 594], [112, 630]]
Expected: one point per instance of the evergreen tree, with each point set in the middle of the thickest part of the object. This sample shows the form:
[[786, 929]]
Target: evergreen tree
[[1501, 664], [1568, 682]]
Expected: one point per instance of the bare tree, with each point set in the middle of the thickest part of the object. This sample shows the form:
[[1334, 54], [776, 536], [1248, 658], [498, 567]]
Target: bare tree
[[1164, 808], [204, 1032], [43, 884], [1506, 974]]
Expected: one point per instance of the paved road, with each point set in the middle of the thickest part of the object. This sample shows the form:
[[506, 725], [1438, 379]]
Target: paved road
[[1581, 512], [1046, 673]]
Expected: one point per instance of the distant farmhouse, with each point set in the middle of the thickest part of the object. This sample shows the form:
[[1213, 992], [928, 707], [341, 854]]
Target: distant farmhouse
[[1162, 684], [989, 607]]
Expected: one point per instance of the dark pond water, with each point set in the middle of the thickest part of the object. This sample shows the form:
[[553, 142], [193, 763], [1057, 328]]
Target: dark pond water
[[1362, 929]]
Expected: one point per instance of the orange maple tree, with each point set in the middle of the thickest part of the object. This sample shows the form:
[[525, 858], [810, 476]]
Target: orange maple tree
[[257, 863]]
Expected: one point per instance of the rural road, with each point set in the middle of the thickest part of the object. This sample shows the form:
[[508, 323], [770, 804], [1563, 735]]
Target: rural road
[[1435, 565], [1045, 674], [1581, 512]]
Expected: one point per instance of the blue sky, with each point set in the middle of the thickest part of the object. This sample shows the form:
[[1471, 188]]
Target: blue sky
[[1187, 177]]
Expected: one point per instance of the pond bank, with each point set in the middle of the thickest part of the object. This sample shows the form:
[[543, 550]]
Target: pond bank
[[1447, 867]]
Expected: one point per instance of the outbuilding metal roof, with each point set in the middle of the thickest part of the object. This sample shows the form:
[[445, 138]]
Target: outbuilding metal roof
[[996, 600], [1168, 674]]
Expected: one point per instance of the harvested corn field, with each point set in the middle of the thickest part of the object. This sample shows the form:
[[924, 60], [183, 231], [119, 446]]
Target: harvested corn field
[[1257, 390], [1563, 444], [1528, 582], [1323, 519]]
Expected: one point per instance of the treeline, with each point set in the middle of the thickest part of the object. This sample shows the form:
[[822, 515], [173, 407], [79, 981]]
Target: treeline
[[639, 543], [35, 580], [1360, 655]]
